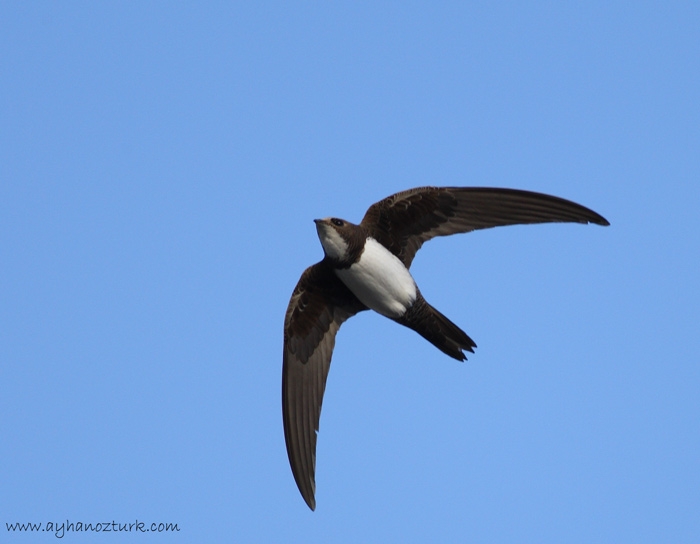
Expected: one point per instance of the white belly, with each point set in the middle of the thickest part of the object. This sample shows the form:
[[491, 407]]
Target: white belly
[[380, 280]]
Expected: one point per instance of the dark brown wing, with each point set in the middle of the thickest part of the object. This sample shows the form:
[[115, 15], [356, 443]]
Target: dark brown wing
[[320, 303], [402, 222]]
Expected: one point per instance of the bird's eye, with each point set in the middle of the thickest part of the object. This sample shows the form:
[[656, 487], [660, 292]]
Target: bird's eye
[[337, 222]]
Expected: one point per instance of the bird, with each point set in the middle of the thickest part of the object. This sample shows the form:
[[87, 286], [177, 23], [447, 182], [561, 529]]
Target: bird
[[366, 267]]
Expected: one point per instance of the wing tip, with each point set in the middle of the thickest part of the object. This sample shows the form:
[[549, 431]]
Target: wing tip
[[308, 493]]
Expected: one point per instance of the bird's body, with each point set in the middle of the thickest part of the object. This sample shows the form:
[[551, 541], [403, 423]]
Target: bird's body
[[380, 281], [366, 266]]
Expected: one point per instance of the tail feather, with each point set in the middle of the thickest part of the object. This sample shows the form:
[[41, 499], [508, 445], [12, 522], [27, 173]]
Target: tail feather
[[437, 329]]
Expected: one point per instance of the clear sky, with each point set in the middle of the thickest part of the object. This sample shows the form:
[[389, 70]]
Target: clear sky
[[160, 167]]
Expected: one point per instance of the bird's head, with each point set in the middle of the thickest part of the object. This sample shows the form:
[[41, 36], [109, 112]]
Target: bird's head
[[336, 237]]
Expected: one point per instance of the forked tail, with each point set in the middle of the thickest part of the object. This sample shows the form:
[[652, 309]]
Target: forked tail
[[437, 329]]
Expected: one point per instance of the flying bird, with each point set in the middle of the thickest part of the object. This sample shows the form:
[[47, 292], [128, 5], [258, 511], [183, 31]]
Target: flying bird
[[365, 267]]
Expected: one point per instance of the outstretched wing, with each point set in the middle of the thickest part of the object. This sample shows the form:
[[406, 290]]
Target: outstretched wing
[[402, 222], [320, 303]]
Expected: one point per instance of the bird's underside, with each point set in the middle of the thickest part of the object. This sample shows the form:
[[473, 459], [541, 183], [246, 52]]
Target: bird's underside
[[321, 302]]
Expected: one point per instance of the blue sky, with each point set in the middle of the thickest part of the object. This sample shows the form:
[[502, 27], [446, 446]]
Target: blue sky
[[160, 167]]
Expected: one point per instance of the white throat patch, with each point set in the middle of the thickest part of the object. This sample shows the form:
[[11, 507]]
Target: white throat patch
[[333, 244]]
